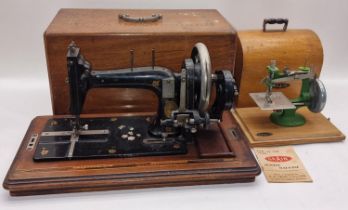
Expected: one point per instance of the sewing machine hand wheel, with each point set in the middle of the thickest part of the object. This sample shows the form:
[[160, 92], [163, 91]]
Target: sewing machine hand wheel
[[200, 56], [317, 93]]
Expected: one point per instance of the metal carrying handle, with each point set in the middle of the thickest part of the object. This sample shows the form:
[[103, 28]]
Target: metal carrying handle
[[152, 18], [275, 21]]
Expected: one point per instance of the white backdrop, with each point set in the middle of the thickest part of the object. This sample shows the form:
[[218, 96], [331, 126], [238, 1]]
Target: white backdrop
[[24, 94]]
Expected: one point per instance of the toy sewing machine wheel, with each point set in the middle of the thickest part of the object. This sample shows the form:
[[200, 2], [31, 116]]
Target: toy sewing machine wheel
[[317, 93], [315, 102]]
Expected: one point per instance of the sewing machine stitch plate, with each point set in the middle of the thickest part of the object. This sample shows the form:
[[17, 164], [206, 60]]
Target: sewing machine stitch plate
[[279, 101], [105, 138]]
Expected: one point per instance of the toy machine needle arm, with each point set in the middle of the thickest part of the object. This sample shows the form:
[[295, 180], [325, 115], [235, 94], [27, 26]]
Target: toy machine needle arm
[[295, 76]]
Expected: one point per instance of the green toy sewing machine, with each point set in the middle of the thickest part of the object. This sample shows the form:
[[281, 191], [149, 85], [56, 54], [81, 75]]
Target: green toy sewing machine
[[312, 95]]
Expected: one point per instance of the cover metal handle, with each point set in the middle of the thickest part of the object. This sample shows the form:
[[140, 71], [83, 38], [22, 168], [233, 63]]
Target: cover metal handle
[[128, 18], [275, 21]]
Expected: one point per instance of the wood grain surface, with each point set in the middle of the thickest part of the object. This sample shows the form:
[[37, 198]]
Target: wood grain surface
[[317, 128]]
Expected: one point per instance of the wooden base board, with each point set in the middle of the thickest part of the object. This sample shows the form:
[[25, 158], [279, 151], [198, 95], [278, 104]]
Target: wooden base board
[[255, 122], [27, 177]]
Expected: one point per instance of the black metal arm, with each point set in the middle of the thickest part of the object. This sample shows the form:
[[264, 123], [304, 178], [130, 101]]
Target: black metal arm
[[82, 78], [143, 78]]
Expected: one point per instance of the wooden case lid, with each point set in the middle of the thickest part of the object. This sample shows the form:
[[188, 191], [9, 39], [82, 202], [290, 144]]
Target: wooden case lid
[[107, 21]]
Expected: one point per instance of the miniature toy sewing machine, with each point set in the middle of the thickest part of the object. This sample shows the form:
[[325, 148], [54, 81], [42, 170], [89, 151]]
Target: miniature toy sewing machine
[[287, 123], [189, 141], [313, 95]]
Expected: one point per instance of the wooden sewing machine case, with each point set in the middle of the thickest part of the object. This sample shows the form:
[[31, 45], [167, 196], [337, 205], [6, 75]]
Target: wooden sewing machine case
[[290, 48], [219, 155]]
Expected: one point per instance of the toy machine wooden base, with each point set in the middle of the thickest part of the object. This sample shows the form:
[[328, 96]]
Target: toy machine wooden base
[[260, 131], [219, 155]]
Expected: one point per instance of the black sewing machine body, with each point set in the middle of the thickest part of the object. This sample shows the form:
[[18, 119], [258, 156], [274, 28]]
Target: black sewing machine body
[[183, 109]]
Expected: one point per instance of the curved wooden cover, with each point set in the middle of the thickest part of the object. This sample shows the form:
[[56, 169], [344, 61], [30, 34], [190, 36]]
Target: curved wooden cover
[[293, 48], [106, 42]]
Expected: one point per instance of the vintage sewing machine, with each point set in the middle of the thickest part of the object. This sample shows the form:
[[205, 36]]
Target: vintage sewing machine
[[183, 110], [136, 103], [312, 95], [189, 141]]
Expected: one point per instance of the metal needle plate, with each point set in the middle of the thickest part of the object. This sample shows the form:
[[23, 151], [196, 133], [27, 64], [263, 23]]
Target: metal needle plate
[[279, 101], [105, 138]]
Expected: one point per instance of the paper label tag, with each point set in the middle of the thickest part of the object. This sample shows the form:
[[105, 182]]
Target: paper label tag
[[281, 164]]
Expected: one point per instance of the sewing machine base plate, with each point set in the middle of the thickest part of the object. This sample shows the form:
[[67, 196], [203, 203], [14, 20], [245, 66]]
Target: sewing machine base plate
[[102, 138], [218, 155], [260, 131]]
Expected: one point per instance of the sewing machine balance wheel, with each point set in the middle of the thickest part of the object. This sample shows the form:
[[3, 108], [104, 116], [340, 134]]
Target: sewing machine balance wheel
[[200, 56], [317, 93]]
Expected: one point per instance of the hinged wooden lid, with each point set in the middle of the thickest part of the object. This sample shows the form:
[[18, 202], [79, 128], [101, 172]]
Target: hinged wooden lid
[[107, 21]]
